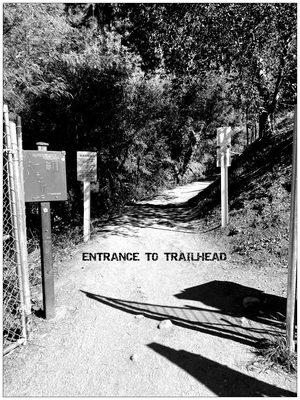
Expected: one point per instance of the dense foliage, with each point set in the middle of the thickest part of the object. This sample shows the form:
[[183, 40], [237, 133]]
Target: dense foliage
[[145, 85]]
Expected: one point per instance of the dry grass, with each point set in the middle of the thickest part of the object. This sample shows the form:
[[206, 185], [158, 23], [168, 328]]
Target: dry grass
[[274, 354]]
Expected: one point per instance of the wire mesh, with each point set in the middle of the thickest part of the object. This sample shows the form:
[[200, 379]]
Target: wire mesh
[[12, 306]]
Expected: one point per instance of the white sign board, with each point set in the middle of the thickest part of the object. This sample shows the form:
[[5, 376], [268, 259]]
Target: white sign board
[[227, 157], [224, 136], [223, 145], [87, 166]]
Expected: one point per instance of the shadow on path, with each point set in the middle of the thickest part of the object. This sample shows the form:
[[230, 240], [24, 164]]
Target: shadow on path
[[220, 379], [176, 219], [158, 213], [212, 322], [228, 298]]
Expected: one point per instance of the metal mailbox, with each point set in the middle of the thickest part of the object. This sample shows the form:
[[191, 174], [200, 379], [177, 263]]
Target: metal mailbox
[[44, 175]]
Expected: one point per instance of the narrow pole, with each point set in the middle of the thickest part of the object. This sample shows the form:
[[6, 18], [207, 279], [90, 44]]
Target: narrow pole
[[226, 194], [19, 220], [13, 188], [224, 190], [46, 253], [292, 267], [25, 268], [1, 193], [86, 210], [247, 127]]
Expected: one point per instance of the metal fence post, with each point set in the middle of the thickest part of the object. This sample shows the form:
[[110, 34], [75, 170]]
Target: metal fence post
[[292, 267], [1, 193], [15, 210], [20, 203], [25, 268]]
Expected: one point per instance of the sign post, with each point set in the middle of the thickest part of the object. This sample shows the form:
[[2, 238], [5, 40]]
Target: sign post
[[46, 249], [45, 181], [86, 172], [86, 211], [224, 161], [292, 267]]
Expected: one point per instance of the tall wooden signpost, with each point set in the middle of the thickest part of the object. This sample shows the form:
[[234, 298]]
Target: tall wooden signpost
[[86, 172], [224, 161], [45, 181]]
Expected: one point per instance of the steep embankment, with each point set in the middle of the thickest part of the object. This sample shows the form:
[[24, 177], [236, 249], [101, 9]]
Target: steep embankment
[[259, 200]]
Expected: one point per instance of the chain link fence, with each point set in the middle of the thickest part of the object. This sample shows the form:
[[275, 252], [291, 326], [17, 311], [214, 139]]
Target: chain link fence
[[14, 310]]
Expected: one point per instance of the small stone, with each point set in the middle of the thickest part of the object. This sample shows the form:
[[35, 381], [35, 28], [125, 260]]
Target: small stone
[[134, 357], [165, 324], [139, 316]]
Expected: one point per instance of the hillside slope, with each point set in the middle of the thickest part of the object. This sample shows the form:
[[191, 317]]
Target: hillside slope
[[259, 200]]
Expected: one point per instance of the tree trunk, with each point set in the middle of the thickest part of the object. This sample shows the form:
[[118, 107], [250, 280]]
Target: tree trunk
[[247, 128], [177, 174], [264, 124], [138, 170]]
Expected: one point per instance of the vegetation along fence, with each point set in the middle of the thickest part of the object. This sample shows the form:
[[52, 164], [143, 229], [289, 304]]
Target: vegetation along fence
[[16, 293]]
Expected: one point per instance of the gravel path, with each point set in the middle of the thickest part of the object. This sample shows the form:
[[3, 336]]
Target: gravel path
[[108, 339]]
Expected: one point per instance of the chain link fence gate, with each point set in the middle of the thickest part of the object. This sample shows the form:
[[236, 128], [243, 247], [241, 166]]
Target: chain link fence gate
[[16, 295]]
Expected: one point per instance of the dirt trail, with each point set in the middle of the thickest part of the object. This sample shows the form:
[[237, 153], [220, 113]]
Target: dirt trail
[[87, 349]]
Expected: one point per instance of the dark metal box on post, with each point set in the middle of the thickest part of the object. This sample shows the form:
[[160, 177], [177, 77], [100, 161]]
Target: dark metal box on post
[[45, 181]]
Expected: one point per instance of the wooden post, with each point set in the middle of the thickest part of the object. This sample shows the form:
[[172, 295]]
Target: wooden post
[[46, 253], [86, 172], [292, 267], [86, 210], [223, 161], [224, 190]]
